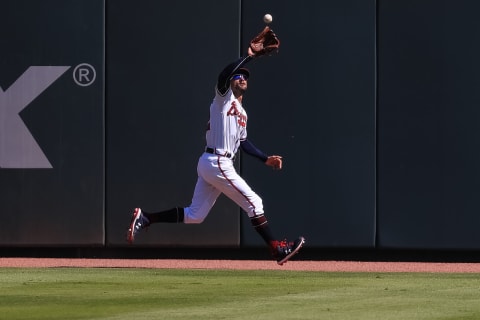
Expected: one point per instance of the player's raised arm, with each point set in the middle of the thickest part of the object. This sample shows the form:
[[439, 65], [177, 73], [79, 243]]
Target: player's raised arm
[[224, 77], [264, 43]]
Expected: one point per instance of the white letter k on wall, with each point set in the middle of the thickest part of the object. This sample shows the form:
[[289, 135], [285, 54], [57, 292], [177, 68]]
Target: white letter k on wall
[[18, 148]]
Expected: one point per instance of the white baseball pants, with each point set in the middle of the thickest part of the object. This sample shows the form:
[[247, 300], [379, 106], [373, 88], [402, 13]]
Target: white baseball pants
[[216, 175]]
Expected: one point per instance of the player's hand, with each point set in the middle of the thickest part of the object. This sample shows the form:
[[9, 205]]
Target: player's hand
[[265, 43], [275, 162]]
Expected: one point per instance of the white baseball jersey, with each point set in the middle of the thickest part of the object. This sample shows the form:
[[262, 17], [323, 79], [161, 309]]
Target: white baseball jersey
[[228, 123], [216, 173]]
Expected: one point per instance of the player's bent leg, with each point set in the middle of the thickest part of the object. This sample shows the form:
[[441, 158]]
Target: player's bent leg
[[204, 197], [237, 189], [240, 192]]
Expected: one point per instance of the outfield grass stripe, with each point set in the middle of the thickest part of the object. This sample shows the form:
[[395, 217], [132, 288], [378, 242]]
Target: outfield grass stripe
[[102, 293]]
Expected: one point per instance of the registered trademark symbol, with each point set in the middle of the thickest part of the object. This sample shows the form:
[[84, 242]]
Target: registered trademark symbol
[[84, 74]]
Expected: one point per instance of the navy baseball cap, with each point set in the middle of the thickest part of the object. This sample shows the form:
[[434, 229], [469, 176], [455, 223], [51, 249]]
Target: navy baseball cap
[[242, 71]]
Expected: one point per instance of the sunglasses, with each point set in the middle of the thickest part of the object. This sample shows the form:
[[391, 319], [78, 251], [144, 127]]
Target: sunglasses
[[239, 76]]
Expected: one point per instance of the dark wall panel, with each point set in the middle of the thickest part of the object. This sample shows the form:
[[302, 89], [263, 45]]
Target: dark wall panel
[[314, 104], [429, 142], [162, 68], [51, 122], [413, 183]]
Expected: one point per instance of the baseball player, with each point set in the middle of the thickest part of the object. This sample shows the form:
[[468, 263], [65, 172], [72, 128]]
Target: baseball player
[[226, 133]]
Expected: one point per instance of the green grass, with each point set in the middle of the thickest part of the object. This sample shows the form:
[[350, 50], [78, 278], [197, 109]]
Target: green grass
[[101, 293]]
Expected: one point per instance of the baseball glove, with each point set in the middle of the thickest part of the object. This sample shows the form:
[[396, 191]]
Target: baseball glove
[[264, 43]]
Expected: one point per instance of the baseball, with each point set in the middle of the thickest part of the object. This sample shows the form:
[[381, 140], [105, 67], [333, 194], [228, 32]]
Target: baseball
[[267, 18]]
